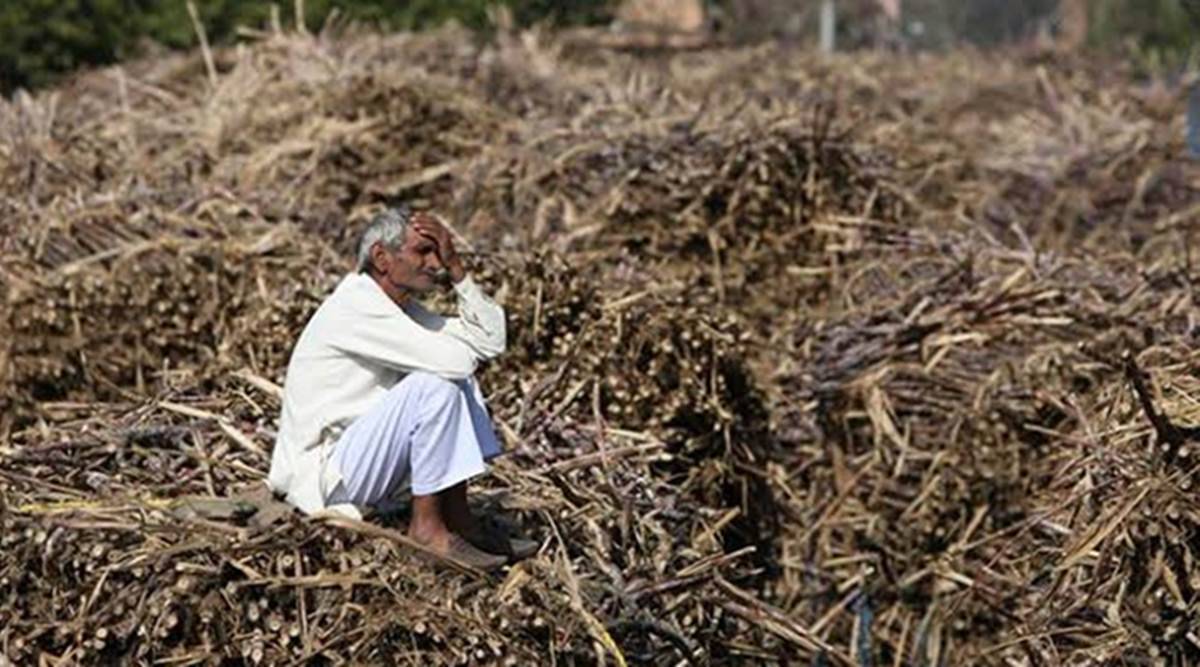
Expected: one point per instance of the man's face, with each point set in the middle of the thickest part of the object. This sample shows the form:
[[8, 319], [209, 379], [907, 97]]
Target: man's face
[[411, 268]]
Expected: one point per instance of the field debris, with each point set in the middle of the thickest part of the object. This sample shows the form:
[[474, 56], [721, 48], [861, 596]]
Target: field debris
[[851, 360]]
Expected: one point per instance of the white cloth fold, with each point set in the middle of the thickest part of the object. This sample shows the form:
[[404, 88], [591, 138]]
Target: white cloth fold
[[427, 434]]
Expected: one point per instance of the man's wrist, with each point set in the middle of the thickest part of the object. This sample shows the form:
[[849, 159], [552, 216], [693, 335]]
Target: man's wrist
[[457, 272]]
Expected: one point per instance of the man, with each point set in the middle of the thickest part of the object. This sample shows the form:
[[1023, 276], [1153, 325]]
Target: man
[[379, 393]]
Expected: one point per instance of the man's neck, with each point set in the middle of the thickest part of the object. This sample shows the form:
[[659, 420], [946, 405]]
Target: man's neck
[[398, 295]]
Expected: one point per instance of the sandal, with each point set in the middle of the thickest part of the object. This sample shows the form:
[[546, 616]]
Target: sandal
[[468, 554], [493, 536]]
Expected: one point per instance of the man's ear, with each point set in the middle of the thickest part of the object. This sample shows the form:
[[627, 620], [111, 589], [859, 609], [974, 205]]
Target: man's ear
[[380, 259]]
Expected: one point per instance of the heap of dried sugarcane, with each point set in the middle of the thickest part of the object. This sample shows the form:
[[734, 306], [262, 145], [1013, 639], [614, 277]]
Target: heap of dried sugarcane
[[962, 402], [863, 360]]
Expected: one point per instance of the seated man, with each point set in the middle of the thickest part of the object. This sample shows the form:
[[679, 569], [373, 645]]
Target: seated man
[[379, 393]]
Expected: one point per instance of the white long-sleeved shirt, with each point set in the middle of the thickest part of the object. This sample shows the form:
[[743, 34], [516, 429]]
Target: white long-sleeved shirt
[[358, 345]]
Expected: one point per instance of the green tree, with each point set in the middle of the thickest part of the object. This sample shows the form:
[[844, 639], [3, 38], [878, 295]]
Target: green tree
[[1158, 33], [42, 39]]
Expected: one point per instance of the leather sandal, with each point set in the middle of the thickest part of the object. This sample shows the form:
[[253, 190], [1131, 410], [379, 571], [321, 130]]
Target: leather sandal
[[494, 537], [468, 554]]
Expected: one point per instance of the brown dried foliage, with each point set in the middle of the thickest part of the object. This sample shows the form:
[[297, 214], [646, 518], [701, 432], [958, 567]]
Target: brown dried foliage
[[808, 356]]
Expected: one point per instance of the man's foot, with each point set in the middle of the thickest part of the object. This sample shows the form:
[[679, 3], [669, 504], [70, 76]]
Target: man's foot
[[464, 552], [452, 546]]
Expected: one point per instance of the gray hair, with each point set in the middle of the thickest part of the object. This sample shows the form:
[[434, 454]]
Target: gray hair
[[388, 227]]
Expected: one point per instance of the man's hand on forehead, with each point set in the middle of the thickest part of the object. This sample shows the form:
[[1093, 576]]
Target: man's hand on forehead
[[428, 226]]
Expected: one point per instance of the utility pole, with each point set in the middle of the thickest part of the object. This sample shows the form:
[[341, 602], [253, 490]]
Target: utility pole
[[1192, 81], [828, 26], [1193, 120], [1073, 24], [891, 9]]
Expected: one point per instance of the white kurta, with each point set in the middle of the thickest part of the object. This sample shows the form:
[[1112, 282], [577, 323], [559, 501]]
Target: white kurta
[[356, 347]]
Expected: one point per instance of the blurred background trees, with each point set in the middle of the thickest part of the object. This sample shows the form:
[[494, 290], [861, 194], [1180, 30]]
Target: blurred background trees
[[1159, 33], [40, 40]]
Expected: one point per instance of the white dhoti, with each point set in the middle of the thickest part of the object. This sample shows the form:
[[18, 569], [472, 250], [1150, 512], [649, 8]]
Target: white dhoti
[[426, 433]]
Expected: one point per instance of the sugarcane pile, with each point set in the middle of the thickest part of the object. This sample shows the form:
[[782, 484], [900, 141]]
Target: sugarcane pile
[[172, 306], [860, 360], [728, 208], [961, 370], [136, 461]]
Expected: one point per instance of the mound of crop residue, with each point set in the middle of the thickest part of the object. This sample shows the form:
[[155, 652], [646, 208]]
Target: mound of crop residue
[[862, 360]]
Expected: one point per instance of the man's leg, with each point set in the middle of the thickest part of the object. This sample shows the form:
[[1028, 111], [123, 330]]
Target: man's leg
[[455, 510], [422, 430], [485, 534], [489, 444], [436, 515], [427, 525]]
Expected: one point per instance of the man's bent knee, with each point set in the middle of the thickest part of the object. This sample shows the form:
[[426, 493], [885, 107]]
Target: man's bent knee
[[432, 387]]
